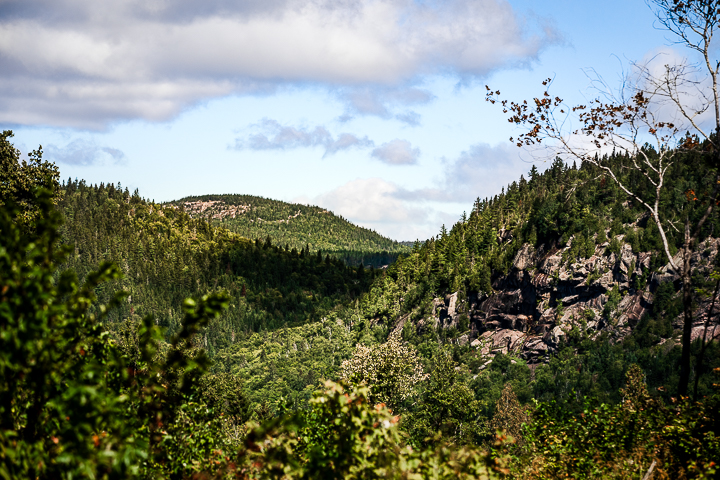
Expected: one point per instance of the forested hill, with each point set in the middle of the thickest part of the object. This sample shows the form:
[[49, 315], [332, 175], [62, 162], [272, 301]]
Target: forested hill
[[295, 225], [166, 256], [556, 290], [563, 263], [560, 275]]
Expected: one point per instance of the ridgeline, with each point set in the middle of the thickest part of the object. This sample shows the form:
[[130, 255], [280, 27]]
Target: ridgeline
[[295, 226]]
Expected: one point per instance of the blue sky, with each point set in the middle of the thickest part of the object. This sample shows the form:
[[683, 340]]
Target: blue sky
[[372, 108]]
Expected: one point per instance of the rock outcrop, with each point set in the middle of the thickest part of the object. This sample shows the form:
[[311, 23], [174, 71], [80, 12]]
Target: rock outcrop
[[544, 296]]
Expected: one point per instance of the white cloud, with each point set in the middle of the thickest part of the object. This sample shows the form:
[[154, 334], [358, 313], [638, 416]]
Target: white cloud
[[480, 171], [397, 152], [85, 63], [369, 201], [83, 152], [280, 137], [347, 140], [379, 101], [372, 203]]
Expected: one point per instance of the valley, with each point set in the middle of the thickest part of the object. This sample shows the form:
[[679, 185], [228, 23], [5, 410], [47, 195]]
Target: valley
[[544, 300]]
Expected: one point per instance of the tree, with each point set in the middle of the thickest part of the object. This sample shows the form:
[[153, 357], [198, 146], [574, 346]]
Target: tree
[[509, 414], [20, 179], [644, 122], [694, 23], [447, 408], [343, 435], [391, 370]]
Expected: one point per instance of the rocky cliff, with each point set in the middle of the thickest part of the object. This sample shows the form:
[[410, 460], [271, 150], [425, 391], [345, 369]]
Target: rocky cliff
[[544, 296]]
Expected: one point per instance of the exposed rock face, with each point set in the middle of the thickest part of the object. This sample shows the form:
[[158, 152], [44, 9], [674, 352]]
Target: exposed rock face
[[543, 296]]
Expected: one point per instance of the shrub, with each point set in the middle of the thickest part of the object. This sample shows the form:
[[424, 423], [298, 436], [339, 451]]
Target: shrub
[[623, 441], [345, 436], [73, 404], [390, 370]]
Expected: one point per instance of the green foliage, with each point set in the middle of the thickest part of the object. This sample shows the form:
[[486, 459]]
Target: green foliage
[[344, 436], [611, 305], [510, 416], [53, 355], [559, 310], [19, 180], [167, 256], [390, 370], [71, 404], [623, 440], [286, 365], [615, 246], [594, 275], [554, 206], [93, 385], [446, 408], [294, 226]]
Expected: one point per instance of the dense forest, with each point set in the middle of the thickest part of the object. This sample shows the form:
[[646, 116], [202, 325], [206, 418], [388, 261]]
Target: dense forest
[[294, 226], [166, 256], [284, 363]]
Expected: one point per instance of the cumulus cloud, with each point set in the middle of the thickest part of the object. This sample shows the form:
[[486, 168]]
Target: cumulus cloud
[[397, 152], [83, 152], [281, 137], [84, 63], [374, 203], [480, 171], [345, 141], [408, 214], [370, 200]]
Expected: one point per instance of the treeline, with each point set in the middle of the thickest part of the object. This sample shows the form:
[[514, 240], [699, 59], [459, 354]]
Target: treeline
[[297, 226]]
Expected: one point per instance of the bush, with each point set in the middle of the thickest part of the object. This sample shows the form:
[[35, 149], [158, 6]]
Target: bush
[[345, 436], [73, 404], [390, 370], [615, 246], [625, 440]]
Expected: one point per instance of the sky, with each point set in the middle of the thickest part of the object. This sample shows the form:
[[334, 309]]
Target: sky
[[374, 109]]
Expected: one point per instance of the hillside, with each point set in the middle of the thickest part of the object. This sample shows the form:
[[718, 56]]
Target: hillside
[[560, 265], [550, 306], [166, 255], [553, 288], [295, 226]]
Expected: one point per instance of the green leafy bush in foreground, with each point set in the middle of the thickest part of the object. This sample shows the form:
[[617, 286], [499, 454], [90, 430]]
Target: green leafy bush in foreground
[[639, 435], [342, 435], [73, 404]]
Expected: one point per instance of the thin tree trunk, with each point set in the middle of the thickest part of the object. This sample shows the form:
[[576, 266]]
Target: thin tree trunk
[[650, 470], [687, 288], [687, 315], [698, 368]]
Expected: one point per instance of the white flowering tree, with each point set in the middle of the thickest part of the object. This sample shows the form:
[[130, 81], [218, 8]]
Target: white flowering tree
[[390, 370]]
